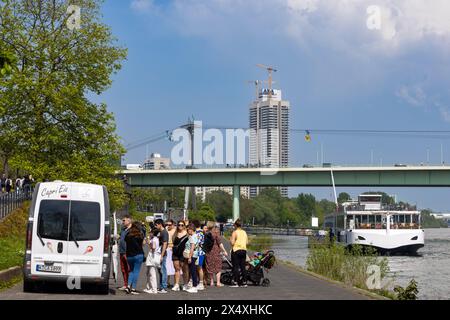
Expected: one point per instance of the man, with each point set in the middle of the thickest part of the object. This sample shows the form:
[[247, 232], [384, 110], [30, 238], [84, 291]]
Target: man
[[171, 229], [2, 182], [126, 225], [200, 253], [221, 228], [163, 242], [18, 185]]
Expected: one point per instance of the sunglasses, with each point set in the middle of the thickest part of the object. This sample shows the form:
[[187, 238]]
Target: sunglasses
[[168, 225], [181, 225]]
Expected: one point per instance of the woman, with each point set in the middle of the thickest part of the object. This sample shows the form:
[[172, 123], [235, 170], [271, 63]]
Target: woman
[[190, 255], [239, 242], [152, 262], [213, 257], [135, 255], [179, 243]]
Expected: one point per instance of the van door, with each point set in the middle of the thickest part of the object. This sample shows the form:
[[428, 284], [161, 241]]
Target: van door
[[50, 234], [86, 234]]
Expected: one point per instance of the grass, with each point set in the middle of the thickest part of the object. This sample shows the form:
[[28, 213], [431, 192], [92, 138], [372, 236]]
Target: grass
[[260, 242], [12, 238], [350, 266], [11, 283]]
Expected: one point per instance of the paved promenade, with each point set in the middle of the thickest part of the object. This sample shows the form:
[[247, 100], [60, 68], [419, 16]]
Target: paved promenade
[[286, 284]]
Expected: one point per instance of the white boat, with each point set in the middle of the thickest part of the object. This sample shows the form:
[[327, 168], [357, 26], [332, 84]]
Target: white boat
[[390, 229]]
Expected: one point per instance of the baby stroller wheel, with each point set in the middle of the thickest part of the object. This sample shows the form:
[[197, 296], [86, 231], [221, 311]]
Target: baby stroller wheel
[[265, 282], [226, 278]]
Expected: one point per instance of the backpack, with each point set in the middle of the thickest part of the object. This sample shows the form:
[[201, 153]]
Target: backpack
[[208, 243]]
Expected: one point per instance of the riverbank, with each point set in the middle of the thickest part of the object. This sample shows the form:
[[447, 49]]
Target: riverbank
[[428, 268]]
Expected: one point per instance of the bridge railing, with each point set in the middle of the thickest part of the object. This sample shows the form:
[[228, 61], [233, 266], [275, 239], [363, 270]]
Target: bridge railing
[[11, 201]]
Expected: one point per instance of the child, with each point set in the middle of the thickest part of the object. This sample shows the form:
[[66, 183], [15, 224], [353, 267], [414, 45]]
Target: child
[[152, 262]]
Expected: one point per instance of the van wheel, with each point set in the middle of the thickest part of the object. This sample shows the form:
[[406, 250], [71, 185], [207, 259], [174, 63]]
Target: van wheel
[[103, 289], [28, 286]]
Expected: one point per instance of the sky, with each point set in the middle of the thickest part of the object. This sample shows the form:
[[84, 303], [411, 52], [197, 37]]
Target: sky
[[342, 64]]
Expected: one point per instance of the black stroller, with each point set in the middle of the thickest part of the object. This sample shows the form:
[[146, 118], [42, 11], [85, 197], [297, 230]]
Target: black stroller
[[255, 269]]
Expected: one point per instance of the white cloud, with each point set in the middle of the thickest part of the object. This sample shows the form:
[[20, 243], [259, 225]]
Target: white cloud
[[339, 22], [413, 95], [142, 5]]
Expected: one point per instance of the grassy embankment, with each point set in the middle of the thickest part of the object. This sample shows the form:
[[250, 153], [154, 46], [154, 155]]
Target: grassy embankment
[[349, 266], [12, 241]]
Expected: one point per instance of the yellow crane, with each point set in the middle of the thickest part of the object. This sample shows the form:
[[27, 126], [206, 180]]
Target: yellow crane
[[270, 70]]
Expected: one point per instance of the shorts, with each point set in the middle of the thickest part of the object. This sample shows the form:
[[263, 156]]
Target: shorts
[[200, 261]]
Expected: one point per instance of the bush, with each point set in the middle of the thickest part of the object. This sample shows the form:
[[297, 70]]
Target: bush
[[348, 265], [408, 293]]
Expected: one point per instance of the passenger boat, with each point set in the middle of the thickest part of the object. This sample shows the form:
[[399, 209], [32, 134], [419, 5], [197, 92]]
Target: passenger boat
[[390, 229]]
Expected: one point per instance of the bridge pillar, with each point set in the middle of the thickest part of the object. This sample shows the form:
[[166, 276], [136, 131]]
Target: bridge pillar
[[236, 199]]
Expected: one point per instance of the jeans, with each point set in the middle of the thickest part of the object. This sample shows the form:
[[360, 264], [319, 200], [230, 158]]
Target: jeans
[[193, 272], [135, 264], [164, 273], [238, 260]]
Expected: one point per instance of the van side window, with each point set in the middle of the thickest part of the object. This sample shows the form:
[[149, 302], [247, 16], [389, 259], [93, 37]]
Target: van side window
[[84, 221], [53, 219]]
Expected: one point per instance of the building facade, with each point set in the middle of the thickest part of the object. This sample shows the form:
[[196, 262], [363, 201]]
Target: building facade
[[269, 133], [156, 162], [203, 191]]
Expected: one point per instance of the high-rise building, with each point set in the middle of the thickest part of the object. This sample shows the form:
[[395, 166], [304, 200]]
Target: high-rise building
[[269, 133], [156, 162]]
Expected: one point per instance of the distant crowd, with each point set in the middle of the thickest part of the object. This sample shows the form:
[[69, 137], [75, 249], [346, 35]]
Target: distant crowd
[[20, 184], [187, 256]]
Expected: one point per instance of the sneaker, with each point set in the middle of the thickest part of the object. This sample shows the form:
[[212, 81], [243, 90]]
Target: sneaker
[[243, 285], [127, 290], [200, 287], [133, 291], [176, 287], [150, 291], [192, 290], [186, 287], [234, 285], [122, 288], [162, 291]]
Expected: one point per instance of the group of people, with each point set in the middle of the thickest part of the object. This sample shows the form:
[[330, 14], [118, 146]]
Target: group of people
[[186, 251], [21, 184]]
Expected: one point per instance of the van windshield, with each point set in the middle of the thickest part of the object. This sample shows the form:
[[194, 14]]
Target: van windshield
[[84, 220], [53, 220]]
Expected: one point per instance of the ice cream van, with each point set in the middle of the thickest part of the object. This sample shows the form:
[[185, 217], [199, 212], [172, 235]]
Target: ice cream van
[[68, 236]]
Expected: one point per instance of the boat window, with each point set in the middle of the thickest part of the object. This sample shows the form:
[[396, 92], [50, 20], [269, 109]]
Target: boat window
[[408, 218]]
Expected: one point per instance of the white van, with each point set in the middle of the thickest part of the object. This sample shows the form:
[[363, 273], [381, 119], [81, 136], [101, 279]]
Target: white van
[[68, 235]]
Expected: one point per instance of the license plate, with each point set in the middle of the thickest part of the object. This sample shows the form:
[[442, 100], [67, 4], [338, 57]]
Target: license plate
[[44, 268]]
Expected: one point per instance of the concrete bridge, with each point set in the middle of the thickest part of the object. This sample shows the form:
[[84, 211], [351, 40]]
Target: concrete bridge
[[395, 176]]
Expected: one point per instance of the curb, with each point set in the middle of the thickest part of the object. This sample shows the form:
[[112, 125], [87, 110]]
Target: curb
[[9, 274], [341, 284]]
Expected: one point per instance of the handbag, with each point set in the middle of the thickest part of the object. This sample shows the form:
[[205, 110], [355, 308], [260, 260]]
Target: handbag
[[153, 260]]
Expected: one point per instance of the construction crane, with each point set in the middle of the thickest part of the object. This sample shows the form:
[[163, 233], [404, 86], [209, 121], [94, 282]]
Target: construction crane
[[269, 70], [257, 84]]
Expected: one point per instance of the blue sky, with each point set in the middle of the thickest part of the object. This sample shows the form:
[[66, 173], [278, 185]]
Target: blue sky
[[194, 57]]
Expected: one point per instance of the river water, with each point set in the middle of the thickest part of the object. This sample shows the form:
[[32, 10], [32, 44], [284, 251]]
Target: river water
[[431, 269]]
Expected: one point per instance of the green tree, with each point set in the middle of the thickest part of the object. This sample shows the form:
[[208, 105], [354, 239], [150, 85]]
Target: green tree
[[306, 203], [343, 197], [48, 126], [221, 203], [205, 213]]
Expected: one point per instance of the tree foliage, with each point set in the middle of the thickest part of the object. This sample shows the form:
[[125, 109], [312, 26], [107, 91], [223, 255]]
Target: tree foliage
[[48, 126]]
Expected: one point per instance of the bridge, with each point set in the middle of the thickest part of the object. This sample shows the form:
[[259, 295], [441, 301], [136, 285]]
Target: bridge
[[395, 176]]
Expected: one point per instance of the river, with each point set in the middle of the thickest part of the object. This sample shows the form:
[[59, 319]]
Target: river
[[430, 269]]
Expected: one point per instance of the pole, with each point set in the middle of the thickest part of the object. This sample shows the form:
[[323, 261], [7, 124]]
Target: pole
[[236, 198]]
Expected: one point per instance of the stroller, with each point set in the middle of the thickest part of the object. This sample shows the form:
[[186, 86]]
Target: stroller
[[255, 269]]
